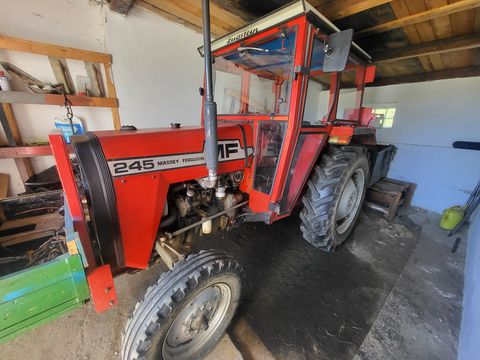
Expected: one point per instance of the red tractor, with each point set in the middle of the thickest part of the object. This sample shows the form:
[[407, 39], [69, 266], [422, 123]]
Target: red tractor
[[289, 131]]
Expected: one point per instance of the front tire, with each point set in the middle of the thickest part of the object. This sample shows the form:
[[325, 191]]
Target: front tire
[[334, 197], [185, 314]]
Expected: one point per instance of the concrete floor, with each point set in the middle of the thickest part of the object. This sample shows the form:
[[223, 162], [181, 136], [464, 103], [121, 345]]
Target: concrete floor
[[390, 293], [85, 335], [421, 317]]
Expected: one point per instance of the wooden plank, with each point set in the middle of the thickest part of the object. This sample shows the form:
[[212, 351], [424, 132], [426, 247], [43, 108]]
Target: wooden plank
[[147, 6], [62, 74], [461, 5], [442, 29], [10, 127], [428, 76], [189, 14], [441, 25], [433, 47], [4, 180], [425, 29], [25, 169], [16, 152], [44, 224], [462, 23], [9, 130], [112, 92], [34, 47], [96, 82], [218, 14], [121, 6], [16, 97], [335, 10], [400, 9], [248, 341], [236, 8]]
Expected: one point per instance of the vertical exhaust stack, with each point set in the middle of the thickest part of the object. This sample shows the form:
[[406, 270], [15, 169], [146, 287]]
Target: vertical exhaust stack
[[209, 105]]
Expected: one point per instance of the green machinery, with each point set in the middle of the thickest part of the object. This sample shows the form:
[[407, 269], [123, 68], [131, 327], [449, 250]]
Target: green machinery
[[39, 293]]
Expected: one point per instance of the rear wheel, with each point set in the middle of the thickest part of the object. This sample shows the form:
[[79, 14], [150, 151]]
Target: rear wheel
[[185, 314], [335, 193]]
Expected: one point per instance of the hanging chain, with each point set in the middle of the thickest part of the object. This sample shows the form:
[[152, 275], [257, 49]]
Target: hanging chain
[[68, 106]]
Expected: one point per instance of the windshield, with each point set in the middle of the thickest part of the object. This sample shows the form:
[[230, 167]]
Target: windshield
[[256, 79]]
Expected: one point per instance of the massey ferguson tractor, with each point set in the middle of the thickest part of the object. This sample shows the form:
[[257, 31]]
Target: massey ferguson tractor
[[287, 131]]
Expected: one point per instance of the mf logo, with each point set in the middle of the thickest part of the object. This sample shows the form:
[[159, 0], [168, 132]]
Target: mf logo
[[228, 149]]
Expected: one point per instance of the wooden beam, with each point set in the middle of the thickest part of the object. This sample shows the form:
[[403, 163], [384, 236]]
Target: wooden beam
[[335, 10], [191, 13], [10, 127], [457, 43], [34, 47], [428, 76], [62, 74], [18, 152], [112, 92], [121, 6], [146, 5], [16, 97], [444, 10], [236, 8]]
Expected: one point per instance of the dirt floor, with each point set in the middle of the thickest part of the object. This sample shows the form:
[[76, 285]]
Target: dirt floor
[[392, 292]]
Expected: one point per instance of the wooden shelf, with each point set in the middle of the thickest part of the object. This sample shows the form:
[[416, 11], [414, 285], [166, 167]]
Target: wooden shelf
[[17, 97], [16, 152], [35, 47], [57, 56]]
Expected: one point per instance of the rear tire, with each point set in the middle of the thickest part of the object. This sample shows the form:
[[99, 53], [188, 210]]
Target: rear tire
[[335, 193], [185, 314]]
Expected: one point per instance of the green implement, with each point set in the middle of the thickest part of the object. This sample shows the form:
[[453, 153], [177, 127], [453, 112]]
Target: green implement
[[33, 296]]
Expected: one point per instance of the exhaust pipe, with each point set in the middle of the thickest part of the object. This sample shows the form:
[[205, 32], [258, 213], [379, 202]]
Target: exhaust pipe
[[209, 105]]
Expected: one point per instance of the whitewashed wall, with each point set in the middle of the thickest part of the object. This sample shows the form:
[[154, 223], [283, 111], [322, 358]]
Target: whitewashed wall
[[430, 117], [156, 67], [63, 22]]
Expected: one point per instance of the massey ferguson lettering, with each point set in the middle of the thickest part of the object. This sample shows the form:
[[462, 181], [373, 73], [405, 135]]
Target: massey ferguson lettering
[[228, 150]]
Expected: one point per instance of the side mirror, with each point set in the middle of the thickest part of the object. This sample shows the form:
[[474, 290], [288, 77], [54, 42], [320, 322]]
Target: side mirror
[[337, 51]]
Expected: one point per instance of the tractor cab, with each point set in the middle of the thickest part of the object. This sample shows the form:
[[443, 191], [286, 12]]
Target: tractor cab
[[299, 82]]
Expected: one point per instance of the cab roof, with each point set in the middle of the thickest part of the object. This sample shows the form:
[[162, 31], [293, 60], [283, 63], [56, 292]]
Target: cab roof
[[277, 17]]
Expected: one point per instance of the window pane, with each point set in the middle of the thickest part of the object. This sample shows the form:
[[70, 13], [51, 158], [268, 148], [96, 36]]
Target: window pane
[[227, 91], [269, 145], [385, 117], [316, 105], [387, 123], [347, 100], [390, 113], [262, 95], [268, 64]]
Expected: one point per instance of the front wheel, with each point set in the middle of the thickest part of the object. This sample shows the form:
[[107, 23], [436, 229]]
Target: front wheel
[[334, 197], [185, 314]]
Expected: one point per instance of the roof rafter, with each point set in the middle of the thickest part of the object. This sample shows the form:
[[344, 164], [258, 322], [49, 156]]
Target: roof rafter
[[444, 10], [190, 14], [335, 10], [457, 43], [428, 76]]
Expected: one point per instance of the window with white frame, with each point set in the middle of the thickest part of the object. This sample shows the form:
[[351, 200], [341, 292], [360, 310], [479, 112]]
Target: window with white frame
[[385, 115]]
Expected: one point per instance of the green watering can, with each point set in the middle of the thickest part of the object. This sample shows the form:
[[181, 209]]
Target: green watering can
[[451, 217]]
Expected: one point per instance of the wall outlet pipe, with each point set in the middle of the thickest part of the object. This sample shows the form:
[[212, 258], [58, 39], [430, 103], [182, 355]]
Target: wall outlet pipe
[[209, 105]]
